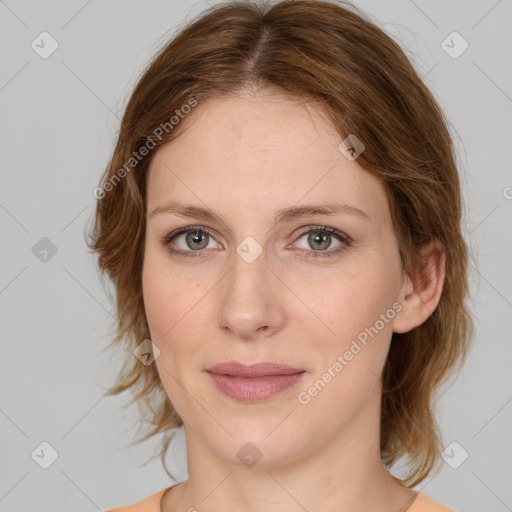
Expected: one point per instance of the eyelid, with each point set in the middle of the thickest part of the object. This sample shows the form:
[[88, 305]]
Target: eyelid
[[327, 229], [187, 229]]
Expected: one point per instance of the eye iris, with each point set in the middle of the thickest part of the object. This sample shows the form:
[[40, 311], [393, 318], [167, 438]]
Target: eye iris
[[317, 237], [194, 237]]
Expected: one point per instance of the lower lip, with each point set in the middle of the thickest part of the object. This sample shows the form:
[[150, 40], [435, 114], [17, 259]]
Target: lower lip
[[254, 389]]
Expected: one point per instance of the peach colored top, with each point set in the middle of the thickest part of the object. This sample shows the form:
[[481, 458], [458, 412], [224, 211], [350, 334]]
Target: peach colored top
[[422, 503]]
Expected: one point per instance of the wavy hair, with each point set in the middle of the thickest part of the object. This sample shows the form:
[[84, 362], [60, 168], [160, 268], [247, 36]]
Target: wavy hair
[[332, 54]]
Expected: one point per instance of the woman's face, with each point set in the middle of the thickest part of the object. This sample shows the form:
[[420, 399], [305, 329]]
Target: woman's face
[[257, 280]]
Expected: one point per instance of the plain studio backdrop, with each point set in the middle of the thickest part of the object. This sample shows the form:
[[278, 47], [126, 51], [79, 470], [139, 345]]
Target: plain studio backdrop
[[67, 71]]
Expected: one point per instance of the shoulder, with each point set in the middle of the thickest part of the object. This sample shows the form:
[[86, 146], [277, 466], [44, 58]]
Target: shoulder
[[149, 504], [423, 503]]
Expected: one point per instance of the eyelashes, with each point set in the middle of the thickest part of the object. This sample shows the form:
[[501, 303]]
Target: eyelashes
[[324, 233], [200, 235]]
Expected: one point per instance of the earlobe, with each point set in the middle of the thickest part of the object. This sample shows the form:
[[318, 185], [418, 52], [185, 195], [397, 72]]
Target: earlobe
[[422, 292]]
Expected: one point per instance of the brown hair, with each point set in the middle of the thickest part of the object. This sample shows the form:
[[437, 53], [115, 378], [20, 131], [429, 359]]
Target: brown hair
[[332, 55]]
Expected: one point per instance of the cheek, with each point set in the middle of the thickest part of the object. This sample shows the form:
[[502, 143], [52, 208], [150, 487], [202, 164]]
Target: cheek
[[178, 311], [356, 315], [175, 319], [171, 306], [348, 363], [347, 303], [168, 296]]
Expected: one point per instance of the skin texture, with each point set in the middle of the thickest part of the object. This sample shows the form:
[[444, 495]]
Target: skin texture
[[246, 157]]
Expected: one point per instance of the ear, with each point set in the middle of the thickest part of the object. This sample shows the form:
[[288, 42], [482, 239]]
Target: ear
[[421, 293]]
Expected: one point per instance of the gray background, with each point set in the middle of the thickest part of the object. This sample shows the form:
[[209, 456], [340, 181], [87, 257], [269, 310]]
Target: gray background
[[59, 118]]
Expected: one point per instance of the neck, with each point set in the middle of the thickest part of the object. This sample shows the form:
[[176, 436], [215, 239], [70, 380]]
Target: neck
[[343, 473]]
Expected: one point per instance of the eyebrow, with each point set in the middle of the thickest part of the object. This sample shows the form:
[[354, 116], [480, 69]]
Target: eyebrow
[[283, 215]]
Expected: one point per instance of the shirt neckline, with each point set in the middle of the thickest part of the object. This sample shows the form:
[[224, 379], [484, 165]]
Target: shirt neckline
[[408, 509], [163, 496]]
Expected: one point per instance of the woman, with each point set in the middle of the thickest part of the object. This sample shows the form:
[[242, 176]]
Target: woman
[[281, 219]]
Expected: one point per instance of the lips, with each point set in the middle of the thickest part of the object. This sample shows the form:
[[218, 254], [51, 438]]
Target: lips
[[265, 369], [255, 382]]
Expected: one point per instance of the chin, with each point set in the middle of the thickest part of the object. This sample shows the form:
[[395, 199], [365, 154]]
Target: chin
[[254, 447]]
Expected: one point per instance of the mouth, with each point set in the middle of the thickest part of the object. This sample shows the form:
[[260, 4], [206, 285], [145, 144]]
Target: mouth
[[255, 382]]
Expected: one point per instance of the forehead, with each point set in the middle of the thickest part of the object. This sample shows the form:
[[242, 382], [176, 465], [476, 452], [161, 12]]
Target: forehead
[[256, 151]]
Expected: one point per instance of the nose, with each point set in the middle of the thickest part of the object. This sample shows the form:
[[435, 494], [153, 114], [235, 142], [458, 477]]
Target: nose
[[251, 300]]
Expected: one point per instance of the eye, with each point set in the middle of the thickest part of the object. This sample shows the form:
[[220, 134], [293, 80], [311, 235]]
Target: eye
[[320, 238], [190, 241]]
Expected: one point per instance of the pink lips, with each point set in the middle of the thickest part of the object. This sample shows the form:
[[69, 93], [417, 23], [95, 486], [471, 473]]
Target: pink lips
[[256, 382]]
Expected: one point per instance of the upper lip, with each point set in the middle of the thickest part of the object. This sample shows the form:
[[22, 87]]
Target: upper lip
[[263, 369]]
